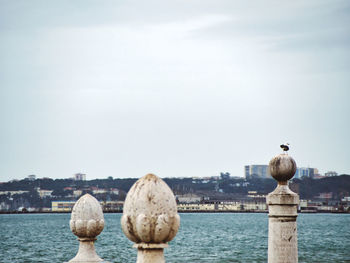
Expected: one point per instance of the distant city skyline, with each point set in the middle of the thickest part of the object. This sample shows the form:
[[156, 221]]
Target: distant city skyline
[[250, 171], [178, 89]]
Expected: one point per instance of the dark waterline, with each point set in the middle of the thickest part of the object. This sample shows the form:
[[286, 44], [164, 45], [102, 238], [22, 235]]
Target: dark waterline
[[203, 237]]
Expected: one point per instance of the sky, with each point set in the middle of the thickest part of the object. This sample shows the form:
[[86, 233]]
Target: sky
[[176, 88]]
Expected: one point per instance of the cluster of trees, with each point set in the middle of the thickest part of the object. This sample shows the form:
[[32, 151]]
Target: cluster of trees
[[223, 186], [338, 185]]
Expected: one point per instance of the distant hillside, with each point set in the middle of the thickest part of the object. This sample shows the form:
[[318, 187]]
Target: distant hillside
[[338, 185], [306, 187]]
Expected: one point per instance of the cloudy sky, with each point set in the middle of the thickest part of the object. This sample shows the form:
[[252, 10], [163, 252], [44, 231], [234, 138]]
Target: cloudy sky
[[176, 88]]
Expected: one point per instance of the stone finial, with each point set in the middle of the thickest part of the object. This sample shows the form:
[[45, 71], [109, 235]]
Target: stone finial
[[87, 223], [150, 218], [282, 167]]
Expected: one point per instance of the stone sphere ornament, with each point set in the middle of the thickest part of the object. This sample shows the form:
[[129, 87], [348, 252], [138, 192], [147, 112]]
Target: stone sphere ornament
[[150, 217], [282, 167]]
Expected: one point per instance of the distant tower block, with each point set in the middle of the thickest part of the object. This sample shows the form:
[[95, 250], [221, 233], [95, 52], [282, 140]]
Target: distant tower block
[[282, 202], [79, 177]]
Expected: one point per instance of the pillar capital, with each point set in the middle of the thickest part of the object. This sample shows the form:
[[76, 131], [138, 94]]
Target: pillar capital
[[282, 195]]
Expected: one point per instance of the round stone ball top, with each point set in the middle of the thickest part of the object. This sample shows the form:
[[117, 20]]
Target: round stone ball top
[[282, 167]]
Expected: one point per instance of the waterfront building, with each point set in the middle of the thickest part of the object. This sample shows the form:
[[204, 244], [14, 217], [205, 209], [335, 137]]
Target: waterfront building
[[229, 205], [4, 206], [196, 207], [67, 206], [224, 206], [112, 206], [188, 198], [254, 206], [62, 206]]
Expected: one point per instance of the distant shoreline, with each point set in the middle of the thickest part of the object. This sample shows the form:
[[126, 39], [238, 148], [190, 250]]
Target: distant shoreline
[[180, 212]]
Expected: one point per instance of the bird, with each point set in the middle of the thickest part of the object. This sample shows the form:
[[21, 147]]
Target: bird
[[285, 147]]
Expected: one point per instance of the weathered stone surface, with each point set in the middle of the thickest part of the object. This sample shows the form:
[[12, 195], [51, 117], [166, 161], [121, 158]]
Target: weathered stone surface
[[282, 202], [282, 167], [150, 256], [283, 241], [282, 195], [86, 223], [150, 217], [150, 212]]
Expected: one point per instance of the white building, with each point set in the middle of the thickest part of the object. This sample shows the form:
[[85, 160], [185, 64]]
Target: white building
[[77, 193], [99, 191], [189, 198], [114, 191], [331, 173], [44, 193], [79, 177], [19, 192], [4, 206]]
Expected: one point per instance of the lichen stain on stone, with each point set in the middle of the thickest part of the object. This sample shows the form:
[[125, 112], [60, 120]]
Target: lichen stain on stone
[[277, 163], [130, 227]]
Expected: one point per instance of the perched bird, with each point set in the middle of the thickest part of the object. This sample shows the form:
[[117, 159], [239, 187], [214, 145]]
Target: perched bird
[[285, 147]]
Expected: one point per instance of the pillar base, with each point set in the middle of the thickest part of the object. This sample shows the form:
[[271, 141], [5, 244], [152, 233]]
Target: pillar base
[[150, 253], [87, 253]]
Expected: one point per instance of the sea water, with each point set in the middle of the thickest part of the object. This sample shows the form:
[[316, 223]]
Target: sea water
[[217, 237]]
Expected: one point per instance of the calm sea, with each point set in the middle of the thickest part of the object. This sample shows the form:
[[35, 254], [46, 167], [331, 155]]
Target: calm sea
[[201, 238]]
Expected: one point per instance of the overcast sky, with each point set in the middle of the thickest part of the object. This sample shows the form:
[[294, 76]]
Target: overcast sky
[[176, 88]]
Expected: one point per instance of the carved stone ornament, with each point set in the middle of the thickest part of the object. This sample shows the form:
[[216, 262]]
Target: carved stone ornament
[[150, 217], [87, 223]]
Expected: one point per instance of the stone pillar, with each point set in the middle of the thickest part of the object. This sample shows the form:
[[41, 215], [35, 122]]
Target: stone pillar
[[87, 223], [150, 218], [283, 204]]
